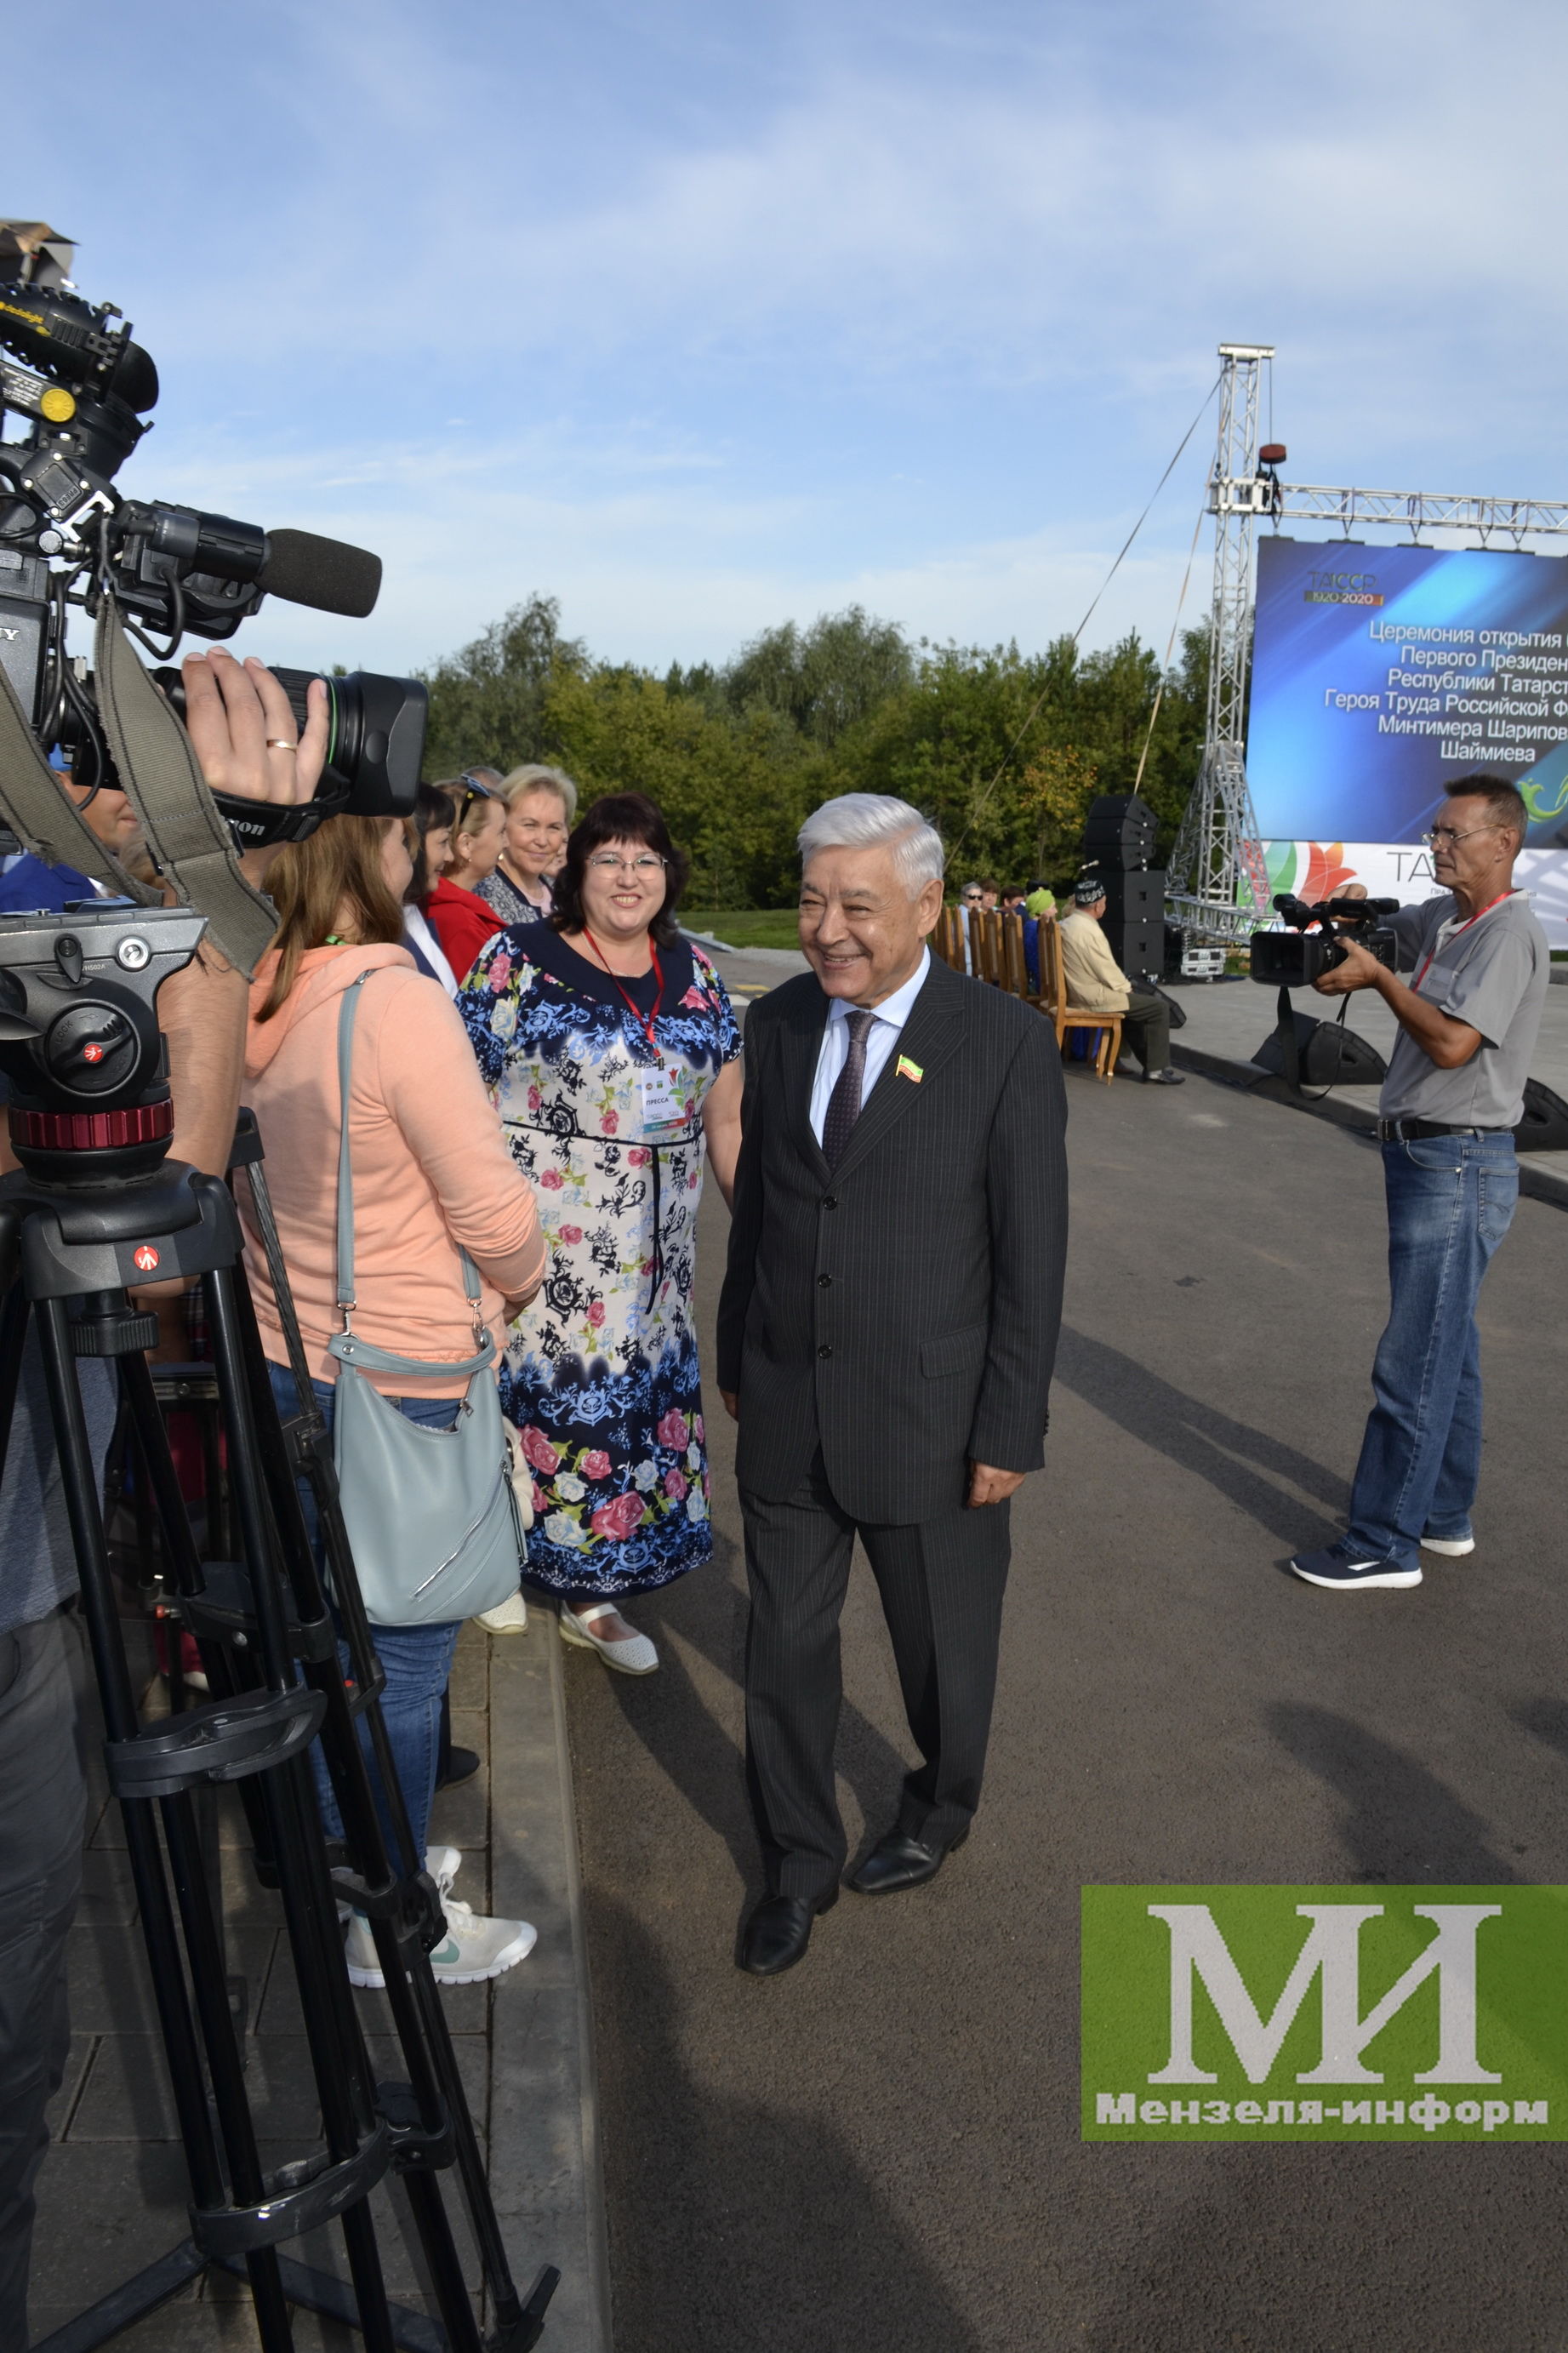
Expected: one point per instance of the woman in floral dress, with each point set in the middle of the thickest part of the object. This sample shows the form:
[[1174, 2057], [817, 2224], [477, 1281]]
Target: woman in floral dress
[[609, 1046]]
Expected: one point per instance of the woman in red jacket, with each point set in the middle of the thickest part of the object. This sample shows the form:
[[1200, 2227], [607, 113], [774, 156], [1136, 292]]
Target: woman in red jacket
[[457, 915]]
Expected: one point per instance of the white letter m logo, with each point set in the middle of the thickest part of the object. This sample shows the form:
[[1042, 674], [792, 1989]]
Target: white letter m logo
[[1332, 1950]]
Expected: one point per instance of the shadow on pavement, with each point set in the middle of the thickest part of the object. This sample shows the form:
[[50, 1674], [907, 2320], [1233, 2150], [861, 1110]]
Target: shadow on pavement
[[1200, 1438], [1403, 1826], [830, 2265]]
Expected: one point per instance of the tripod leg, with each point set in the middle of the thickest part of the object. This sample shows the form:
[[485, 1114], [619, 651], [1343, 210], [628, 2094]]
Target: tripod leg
[[79, 1479], [331, 2025], [421, 2023], [13, 1337]]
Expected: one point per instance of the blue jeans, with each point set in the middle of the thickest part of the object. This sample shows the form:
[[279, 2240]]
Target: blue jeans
[[416, 1660], [1451, 1198]]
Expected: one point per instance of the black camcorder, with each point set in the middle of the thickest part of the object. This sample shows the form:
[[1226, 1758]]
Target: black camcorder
[[1311, 944], [68, 537]]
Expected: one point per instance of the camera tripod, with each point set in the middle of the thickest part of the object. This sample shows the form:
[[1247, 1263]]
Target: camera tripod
[[69, 1252]]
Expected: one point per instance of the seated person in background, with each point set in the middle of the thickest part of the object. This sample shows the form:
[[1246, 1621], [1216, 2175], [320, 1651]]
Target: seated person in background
[[1041, 906], [1095, 983], [27, 884], [988, 895], [1011, 902], [461, 918]]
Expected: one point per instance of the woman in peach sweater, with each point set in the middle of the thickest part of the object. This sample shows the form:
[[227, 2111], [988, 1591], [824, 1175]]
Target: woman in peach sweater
[[431, 1178]]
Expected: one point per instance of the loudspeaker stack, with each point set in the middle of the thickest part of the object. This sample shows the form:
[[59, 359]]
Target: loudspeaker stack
[[1118, 843]]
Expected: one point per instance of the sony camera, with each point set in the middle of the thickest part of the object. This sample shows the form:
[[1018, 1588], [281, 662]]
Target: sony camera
[[1313, 942], [67, 537]]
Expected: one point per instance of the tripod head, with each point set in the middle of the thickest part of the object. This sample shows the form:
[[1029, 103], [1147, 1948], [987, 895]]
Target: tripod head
[[79, 1041]]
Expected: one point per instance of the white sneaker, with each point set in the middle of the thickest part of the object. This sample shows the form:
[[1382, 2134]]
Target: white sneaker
[[511, 1618], [443, 1863], [1455, 1547], [633, 1654], [474, 1948]]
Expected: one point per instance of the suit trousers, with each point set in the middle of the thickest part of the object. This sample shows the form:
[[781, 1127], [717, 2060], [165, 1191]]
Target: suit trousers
[[1146, 1030], [942, 1583]]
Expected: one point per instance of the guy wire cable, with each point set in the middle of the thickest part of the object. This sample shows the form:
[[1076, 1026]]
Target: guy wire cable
[[1170, 648], [1035, 708]]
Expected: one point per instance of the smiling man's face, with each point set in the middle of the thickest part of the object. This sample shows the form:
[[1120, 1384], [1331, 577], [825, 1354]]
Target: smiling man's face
[[861, 931]]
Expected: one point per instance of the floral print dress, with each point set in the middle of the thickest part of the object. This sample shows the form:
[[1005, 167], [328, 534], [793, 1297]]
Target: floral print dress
[[601, 1375]]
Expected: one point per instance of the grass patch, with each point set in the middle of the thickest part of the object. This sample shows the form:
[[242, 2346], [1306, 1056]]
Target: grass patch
[[747, 927]]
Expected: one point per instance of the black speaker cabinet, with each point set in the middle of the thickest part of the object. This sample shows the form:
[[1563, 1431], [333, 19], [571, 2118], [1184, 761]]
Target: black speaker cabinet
[[1330, 1056], [1138, 945], [1119, 822], [1134, 897]]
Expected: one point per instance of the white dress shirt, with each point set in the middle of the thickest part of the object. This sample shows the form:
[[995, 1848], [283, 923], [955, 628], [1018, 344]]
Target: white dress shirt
[[887, 1019]]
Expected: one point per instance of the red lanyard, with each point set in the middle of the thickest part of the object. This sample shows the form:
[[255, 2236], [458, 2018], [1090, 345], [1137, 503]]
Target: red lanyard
[[644, 1021], [1454, 936]]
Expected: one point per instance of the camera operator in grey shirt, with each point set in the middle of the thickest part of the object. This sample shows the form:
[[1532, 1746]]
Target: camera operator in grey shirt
[[1455, 1093]]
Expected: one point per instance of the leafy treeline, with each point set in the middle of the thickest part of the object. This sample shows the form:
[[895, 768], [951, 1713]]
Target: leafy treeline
[[1003, 750]]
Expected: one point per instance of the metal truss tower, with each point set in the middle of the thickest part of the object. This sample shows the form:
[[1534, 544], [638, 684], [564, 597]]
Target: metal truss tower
[[1219, 884]]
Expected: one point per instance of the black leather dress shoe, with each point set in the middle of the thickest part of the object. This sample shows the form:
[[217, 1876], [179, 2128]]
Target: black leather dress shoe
[[900, 1860], [778, 1932]]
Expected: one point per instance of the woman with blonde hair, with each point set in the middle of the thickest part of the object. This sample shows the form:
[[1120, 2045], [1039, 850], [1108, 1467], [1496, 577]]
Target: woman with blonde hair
[[432, 1179], [541, 810]]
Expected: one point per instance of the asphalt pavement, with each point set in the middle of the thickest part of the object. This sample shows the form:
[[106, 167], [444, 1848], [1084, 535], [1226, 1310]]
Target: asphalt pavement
[[879, 2152]]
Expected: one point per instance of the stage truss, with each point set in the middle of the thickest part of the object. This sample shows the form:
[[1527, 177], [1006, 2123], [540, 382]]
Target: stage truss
[[1219, 882]]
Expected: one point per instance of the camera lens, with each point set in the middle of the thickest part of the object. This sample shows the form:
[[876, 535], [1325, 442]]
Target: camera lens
[[376, 736]]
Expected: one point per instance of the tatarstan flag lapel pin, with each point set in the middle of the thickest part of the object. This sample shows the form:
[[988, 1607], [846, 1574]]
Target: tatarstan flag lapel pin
[[908, 1070]]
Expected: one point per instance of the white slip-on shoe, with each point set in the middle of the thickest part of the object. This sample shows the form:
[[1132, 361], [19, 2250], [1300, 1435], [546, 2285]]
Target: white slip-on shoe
[[1455, 1547], [474, 1948], [633, 1654], [511, 1618]]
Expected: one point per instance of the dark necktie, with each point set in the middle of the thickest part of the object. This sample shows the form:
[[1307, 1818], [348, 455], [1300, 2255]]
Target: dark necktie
[[844, 1102]]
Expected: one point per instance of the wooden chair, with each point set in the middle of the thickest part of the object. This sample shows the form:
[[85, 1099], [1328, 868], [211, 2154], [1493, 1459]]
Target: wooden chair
[[1054, 1005], [1014, 963], [986, 941], [947, 940]]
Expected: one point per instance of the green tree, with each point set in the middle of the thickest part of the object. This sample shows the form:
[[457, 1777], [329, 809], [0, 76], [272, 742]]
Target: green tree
[[487, 701], [732, 793], [824, 679]]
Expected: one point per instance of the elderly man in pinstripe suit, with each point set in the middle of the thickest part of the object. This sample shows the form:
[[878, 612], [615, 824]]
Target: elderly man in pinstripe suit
[[885, 1336]]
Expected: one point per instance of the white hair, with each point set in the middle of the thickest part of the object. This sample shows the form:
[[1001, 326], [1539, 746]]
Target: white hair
[[869, 821]]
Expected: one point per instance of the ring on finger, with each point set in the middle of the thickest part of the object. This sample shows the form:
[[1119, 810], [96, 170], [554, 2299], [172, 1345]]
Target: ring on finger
[[280, 743]]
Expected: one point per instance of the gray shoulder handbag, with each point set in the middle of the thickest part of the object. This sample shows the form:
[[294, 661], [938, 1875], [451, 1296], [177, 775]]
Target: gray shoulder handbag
[[431, 1516]]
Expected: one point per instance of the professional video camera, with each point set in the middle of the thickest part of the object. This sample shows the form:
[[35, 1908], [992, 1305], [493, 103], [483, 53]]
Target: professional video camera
[[67, 537], [1296, 957]]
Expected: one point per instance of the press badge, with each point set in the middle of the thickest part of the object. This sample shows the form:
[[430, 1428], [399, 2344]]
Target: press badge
[[663, 1109]]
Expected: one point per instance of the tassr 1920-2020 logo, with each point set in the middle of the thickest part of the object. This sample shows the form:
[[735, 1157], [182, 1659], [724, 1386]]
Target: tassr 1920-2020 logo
[[1325, 2013]]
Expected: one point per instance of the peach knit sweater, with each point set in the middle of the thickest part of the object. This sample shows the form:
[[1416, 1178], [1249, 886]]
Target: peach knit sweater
[[430, 1168]]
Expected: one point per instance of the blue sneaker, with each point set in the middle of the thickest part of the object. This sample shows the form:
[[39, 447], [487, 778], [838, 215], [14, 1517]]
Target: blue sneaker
[[1454, 1547], [1343, 1569]]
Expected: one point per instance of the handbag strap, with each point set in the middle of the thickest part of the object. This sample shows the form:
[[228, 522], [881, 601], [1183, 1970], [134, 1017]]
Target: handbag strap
[[346, 1345]]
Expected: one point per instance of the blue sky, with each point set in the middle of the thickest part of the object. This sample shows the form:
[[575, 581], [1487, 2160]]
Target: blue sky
[[701, 317]]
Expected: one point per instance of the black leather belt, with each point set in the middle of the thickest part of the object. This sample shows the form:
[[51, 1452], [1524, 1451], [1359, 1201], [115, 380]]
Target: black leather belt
[[1411, 1131]]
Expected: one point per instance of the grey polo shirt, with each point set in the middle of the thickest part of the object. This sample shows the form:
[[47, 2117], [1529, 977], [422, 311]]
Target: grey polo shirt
[[1493, 973]]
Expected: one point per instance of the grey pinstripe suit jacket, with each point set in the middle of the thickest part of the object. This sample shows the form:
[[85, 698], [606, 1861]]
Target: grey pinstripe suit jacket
[[902, 1308]]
